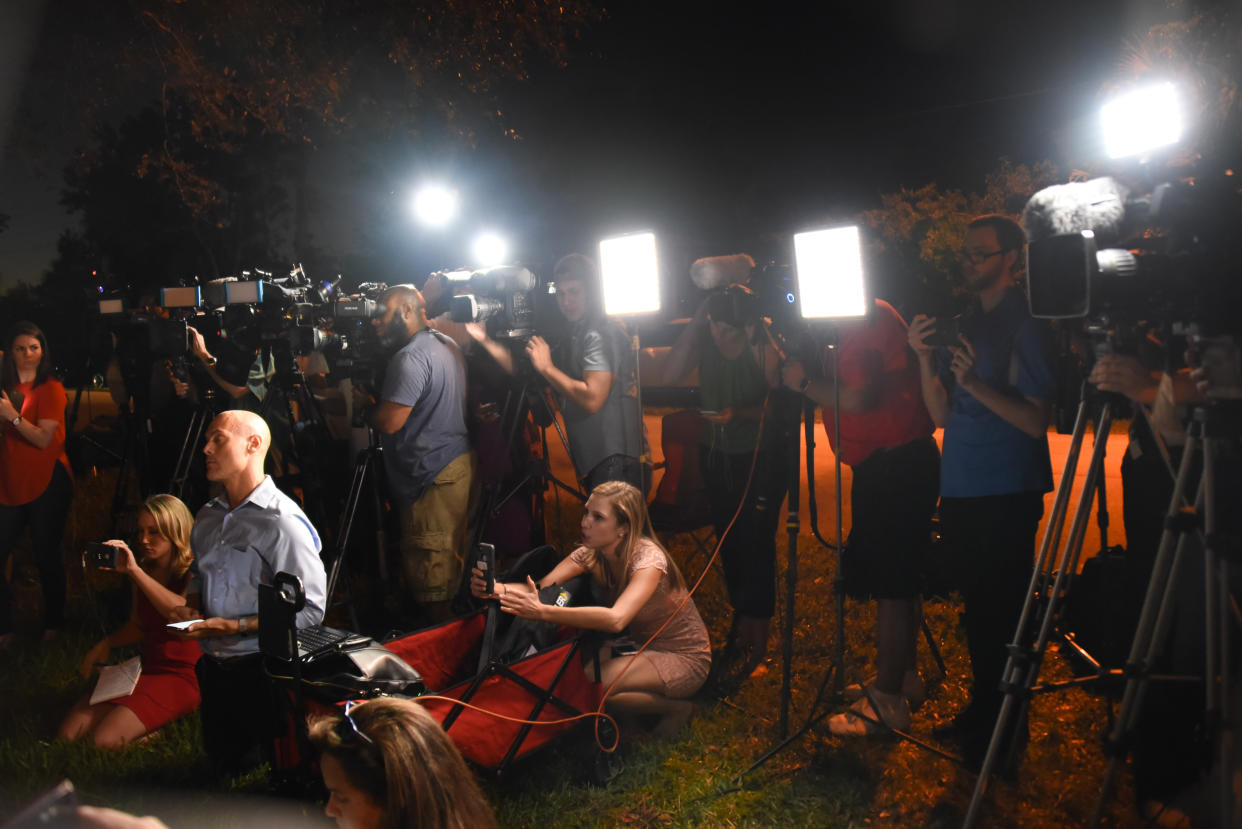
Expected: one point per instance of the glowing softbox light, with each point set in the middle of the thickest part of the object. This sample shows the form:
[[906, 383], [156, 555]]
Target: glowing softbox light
[[1142, 120], [630, 272], [830, 273]]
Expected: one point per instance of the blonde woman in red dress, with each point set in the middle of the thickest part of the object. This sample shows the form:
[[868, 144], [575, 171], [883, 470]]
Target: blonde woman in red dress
[[167, 688]]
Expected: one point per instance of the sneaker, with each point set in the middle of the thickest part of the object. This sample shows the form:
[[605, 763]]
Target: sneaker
[[912, 688], [863, 720]]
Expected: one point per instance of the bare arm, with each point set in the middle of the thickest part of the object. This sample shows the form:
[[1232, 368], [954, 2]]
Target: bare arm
[[502, 355], [1029, 414], [388, 416], [683, 357], [1126, 375], [853, 398], [935, 396], [161, 598], [565, 570], [128, 634], [642, 586], [590, 393], [37, 435]]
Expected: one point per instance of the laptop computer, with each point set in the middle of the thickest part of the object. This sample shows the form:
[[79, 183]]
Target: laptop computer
[[281, 638]]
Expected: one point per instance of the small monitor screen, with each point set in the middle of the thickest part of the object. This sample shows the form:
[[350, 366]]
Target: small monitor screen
[[1058, 275], [180, 297]]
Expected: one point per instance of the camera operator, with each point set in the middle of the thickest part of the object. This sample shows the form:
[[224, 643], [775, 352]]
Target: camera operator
[[428, 461], [594, 377], [737, 368], [235, 385], [886, 438], [992, 394], [246, 373]]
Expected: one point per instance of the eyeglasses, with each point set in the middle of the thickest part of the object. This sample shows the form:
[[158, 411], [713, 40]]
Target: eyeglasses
[[977, 257], [348, 720]]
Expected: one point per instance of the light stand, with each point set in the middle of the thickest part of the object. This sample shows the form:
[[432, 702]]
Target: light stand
[[831, 286], [630, 277]]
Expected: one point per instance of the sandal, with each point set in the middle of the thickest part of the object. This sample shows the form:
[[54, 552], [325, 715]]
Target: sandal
[[912, 688], [862, 719]]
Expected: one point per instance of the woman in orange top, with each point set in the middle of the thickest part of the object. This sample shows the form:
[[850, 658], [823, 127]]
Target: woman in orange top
[[35, 483]]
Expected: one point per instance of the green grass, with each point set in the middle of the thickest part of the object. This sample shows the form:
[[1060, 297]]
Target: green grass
[[693, 780]]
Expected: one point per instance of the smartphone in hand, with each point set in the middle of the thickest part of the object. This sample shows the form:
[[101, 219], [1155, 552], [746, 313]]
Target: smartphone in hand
[[99, 554], [946, 333], [486, 561]]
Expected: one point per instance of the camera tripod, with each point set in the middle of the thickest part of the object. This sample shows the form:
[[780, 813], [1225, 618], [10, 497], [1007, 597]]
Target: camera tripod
[[1050, 582], [365, 465], [203, 412], [1211, 427], [288, 385], [519, 400]]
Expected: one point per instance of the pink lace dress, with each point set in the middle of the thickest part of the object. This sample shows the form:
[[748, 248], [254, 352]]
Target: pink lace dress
[[682, 653]]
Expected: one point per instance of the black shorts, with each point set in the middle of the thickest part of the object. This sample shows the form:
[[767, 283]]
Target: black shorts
[[892, 502]]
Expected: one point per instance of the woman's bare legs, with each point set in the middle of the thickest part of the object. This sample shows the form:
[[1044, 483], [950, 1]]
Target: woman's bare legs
[[896, 641], [110, 726], [639, 690]]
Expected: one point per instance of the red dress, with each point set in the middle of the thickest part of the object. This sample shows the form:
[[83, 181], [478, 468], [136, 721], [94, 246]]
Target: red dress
[[167, 688]]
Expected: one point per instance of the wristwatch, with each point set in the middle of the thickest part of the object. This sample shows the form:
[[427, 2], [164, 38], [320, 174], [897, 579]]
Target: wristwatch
[[241, 626], [802, 387], [16, 421]]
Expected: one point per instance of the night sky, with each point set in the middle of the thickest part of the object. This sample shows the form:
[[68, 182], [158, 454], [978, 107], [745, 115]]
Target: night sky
[[720, 130]]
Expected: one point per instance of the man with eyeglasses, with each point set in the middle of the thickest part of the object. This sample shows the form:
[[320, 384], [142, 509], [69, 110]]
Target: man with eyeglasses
[[992, 393]]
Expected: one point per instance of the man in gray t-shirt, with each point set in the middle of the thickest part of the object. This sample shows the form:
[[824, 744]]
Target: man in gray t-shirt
[[421, 418], [594, 377]]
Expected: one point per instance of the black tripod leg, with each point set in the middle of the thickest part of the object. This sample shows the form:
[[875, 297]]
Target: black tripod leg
[[933, 647], [185, 460], [356, 486]]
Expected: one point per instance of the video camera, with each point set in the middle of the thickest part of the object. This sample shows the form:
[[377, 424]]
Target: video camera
[[353, 348], [502, 297], [1103, 251]]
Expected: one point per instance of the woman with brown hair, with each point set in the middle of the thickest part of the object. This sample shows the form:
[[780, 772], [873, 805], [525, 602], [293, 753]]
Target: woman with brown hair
[[387, 764], [646, 591], [36, 485], [167, 688]]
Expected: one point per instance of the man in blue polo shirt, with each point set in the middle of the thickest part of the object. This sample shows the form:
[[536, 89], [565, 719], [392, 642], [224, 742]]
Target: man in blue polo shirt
[[992, 393]]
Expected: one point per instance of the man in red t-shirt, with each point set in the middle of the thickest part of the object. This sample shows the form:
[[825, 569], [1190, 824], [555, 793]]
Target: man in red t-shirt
[[886, 438]]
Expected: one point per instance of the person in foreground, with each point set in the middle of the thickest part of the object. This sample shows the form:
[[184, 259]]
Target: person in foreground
[[642, 581], [241, 539], [387, 764], [167, 689]]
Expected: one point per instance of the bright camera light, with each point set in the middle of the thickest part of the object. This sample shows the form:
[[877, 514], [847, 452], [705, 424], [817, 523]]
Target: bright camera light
[[1142, 120], [435, 205], [830, 273], [631, 274], [490, 249]]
